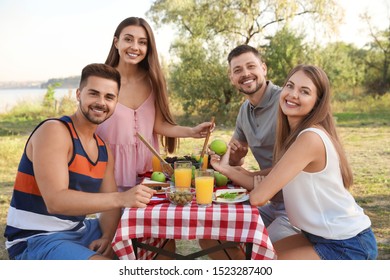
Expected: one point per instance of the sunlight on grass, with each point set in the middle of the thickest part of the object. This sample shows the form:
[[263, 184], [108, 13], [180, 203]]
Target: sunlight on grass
[[11, 149]]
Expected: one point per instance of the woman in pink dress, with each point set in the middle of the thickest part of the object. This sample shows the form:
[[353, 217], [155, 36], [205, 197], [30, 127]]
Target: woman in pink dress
[[143, 104]]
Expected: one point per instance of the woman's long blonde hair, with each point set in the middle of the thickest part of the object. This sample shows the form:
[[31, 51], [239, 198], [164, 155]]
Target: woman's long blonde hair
[[152, 65], [320, 115]]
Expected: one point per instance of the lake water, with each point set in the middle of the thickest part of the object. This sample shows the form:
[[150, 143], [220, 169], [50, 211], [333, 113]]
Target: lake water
[[10, 97]]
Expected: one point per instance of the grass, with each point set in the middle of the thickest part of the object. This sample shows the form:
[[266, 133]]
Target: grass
[[365, 135]]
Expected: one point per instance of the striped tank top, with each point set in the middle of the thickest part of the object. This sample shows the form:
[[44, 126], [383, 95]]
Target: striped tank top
[[27, 214]]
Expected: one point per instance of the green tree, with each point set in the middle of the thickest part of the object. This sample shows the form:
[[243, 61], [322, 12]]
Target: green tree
[[233, 22], [208, 30], [378, 59], [344, 66], [284, 51], [203, 90], [48, 99]]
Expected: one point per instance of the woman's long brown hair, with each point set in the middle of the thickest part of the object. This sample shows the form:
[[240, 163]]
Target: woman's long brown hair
[[152, 66], [320, 115]]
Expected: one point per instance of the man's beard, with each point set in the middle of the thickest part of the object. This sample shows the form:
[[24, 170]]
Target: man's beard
[[90, 118], [246, 92]]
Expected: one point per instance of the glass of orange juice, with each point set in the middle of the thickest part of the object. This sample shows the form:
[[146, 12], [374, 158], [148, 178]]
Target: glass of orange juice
[[205, 161], [183, 174], [204, 187], [156, 164]]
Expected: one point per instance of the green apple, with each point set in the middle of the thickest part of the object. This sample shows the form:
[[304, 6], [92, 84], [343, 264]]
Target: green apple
[[158, 177], [218, 146], [220, 179]]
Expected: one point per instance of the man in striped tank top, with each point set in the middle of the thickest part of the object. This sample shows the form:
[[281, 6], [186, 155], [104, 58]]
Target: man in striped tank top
[[66, 173]]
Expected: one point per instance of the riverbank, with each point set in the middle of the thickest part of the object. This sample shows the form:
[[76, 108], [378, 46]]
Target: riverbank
[[9, 98]]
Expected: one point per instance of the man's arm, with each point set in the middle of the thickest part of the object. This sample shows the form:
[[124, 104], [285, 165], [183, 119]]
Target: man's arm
[[50, 149], [108, 220]]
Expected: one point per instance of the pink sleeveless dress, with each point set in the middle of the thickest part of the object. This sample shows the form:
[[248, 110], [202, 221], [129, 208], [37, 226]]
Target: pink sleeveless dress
[[132, 157]]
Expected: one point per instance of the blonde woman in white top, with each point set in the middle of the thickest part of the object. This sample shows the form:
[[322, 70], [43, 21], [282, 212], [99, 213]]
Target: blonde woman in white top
[[311, 168]]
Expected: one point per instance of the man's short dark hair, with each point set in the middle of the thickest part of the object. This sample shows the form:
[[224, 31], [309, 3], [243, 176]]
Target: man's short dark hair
[[241, 49], [100, 70]]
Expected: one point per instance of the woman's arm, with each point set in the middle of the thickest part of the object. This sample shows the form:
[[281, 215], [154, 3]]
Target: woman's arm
[[307, 153], [164, 128], [237, 174]]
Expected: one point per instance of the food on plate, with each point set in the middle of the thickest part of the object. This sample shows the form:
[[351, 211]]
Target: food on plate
[[155, 185], [158, 177], [220, 179], [230, 195], [218, 146]]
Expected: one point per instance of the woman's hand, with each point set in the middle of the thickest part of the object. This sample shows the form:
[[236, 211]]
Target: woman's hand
[[202, 129], [219, 163]]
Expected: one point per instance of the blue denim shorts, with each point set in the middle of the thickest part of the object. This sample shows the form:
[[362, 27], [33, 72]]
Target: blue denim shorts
[[361, 247], [67, 245]]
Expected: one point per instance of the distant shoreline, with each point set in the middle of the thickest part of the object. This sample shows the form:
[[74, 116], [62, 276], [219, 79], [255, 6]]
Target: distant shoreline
[[9, 98], [65, 83]]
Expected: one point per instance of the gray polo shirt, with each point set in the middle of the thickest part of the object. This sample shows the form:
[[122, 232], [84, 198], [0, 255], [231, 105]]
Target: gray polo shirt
[[257, 126]]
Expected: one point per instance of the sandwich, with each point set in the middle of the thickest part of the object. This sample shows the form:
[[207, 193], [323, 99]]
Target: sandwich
[[230, 195], [155, 185]]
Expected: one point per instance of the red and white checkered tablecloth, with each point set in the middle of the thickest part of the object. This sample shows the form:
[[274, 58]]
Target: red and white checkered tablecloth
[[230, 222]]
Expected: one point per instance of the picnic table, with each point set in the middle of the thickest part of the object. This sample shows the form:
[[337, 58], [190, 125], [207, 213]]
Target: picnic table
[[142, 232]]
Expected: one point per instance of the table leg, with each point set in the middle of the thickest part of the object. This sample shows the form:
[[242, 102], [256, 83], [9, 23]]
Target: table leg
[[248, 250], [137, 244], [220, 246], [134, 242]]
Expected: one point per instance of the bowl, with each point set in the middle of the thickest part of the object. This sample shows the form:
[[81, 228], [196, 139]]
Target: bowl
[[180, 197], [172, 160]]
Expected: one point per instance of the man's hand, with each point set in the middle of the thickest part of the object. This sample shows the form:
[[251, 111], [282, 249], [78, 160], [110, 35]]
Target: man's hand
[[238, 151], [257, 180], [138, 196], [103, 247]]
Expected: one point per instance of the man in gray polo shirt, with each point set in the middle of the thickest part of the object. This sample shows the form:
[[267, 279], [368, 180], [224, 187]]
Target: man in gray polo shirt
[[256, 128]]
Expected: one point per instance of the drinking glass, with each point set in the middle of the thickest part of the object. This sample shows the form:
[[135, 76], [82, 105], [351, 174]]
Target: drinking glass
[[183, 174], [204, 186], [196, 154], [156, 164]]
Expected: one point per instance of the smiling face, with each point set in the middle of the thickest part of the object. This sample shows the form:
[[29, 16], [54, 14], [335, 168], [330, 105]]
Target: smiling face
[[97, 99], [298, 97], [132, 44], [247, 73]]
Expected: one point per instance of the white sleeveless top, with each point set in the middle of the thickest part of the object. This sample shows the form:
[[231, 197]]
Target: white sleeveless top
[[319, 204]]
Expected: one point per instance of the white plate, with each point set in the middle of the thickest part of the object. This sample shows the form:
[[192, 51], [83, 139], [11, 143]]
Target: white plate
[[221, 200], [156, 198]]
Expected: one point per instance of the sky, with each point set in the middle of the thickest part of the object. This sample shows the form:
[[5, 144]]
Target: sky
[[43, 39]]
